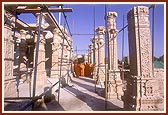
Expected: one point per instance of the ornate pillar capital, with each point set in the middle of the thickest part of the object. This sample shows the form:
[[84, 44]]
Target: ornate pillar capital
[[42, 21], [100, 30]]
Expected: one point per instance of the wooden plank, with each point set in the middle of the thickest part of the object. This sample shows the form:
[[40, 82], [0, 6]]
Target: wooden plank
[[37, 10], [50, 21], [21, 23]]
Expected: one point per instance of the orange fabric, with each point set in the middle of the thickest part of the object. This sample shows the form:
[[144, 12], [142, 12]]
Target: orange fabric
[[82, 69], [90, 70], [87, 70], [77, 70]]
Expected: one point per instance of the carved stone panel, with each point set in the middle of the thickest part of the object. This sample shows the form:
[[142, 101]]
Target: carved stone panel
[[141, 82], [9, 85]]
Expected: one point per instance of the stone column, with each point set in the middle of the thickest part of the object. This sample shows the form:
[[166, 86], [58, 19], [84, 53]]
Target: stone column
[[100, 33], [96, 53], [69, 62], [69, 48], [95, 49], [10, 89], [22, 57], [101, 55], [111, 26], [16, 71], [115, 82], [142, 90], [70, 53], [95, 58], [41, 77], [91, 53], [55, 53], [64, 67]]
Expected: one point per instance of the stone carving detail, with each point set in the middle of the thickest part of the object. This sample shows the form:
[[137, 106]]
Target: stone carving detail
[[9, 85], [145, 53], [99, 73], [9, 19], [9, 50], [8, 70], [114, 76], [147, 95], [91, 53], [140, 10]]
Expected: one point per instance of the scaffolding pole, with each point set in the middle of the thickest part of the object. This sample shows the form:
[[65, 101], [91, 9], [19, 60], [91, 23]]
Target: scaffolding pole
[[153, 27], [94, 52], [36, 57], [123, 52], [64, 38], [106, 55], [66, 21], [61, 69]]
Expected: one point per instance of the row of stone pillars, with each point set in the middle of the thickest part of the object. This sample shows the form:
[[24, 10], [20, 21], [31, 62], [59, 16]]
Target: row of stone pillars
[[19, 52], [114, 81], [142, 93]]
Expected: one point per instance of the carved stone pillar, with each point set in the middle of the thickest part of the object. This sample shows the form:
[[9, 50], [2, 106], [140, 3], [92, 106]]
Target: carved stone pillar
[[64, 57], [101, 55], [142, 90], [16, 71], [55, 53], [95, 58], [23, 48], [115, 83], [91, 53], [111, 26], [96, 53], [69, 48], [8, 57], [100, 32]]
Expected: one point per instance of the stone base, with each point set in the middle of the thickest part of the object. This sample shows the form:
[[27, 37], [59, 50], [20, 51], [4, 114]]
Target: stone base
[[115, 89], [153, 103], [115, 84], [66, 77], [10, 89], [95, 73]]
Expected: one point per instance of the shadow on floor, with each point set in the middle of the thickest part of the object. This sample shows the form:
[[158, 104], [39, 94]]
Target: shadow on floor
[[87, 87], [96, 104], [54, 106], [99, 91], [87, 79], [15, 105]]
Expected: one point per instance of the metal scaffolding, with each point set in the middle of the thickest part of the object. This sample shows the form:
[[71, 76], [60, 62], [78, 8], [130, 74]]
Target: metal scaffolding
[[40, 8]]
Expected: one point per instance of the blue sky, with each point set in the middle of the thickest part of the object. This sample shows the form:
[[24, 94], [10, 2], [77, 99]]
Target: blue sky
[[81, 21]]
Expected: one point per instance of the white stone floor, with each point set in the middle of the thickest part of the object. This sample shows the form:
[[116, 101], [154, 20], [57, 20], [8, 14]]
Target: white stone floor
[[80, 96]]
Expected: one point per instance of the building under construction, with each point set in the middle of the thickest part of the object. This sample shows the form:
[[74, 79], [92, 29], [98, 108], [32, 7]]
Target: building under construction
[[42, 72]]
